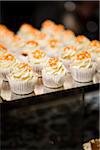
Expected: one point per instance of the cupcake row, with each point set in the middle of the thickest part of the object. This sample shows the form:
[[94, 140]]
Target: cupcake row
[[50, 53]]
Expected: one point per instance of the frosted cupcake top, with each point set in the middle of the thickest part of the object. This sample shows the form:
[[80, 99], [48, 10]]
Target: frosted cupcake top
[[54, 66], [3, 50], [68, 35], [69, 52], [7, 60], [22, 71], [37, 56], [94, 46], [82, 60], [82, 41]]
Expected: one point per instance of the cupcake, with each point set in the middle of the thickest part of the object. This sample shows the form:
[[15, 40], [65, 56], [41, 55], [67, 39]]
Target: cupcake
[[7, 62], [82, 42], [67, 56], [53, 47], [94, 49], [16, 44], [47, 27], [6, 35], [22, 79], [37, 60], [82, 68], [3, 50], [28, 47], [54, 74], [27, 32], [93, 144], [68, 37]]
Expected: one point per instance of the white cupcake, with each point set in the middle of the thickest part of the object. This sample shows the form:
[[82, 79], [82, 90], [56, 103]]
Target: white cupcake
[[82, 42], [54, 74], [82, 68], [7, 62], [6, 36], [37, 60], [22, 79], [68, 37], [27, 48], [53, 47], [27, 32], [67, 56], [47, 27], [94, 49]]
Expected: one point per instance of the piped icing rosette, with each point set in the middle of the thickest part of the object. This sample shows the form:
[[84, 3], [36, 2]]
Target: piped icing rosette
[[82, 42], [67, 56], [83, 68], [94, 48], [37, 60], [68, 37], [22, 79], [6, 35], [53, 47], [16, 44], [54, 73], [7, 62], [3, 50], [27, 48], [29, 30], [47, 27]]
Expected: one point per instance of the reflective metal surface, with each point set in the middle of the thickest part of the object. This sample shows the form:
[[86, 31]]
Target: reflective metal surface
[[6, 93]]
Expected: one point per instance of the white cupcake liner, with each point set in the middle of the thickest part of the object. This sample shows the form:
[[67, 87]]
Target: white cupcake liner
[[22, 87], [4, 72], [49, 82], [67, 64], [83, 74], [37, 68], [98, 64]]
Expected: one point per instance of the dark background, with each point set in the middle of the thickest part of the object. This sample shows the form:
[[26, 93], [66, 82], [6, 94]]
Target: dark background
[[82, 17]]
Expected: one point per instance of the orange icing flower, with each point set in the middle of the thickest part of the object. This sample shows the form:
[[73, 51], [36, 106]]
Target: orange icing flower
[[47, 24], [53, 42], [3, 49], [24, 66], [53, 61], [31, 42], [8, 57], [83, 55], [70, 47], [80, 38], [95, 43], [38, 54]]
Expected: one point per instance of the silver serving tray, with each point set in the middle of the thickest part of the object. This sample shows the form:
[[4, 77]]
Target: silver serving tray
[[8, 95]]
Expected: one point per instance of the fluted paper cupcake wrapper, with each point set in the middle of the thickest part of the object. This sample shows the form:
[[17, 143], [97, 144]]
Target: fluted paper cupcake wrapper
[[4, 72], [49, 82], [83, 75], [98, 65], [67, 65], [22, 87], [37, 69]]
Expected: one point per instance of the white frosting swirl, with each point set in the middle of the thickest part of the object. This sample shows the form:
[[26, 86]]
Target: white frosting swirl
[[22, 73]]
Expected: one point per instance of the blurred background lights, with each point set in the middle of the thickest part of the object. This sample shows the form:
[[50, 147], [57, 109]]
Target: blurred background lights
[[70, 6], [91, 26]]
